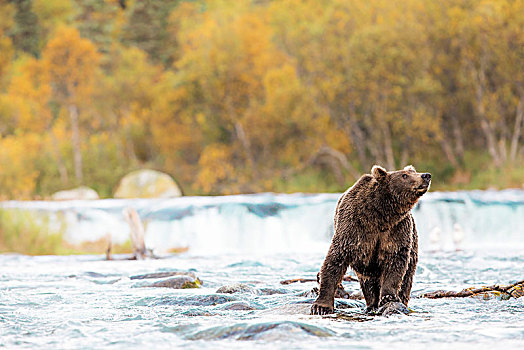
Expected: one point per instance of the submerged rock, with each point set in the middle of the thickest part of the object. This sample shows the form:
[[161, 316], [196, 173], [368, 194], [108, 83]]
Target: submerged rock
[[272, 291], [187, 300], [178, 282], [163, 275], [197, 313], [392, 308], [279, 330], [349, 304], [236, 288], [339, 293], [147, 183], [246, 288], [288, 309], [239, 306]]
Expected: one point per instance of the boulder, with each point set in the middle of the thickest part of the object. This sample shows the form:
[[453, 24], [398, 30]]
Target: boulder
[[147, 183], [82, 192]]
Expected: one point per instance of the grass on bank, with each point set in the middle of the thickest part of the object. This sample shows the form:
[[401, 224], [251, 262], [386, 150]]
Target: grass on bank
[[31, 233]]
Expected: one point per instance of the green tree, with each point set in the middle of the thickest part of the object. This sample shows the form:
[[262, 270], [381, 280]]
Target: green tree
[[96, 20], [25, 32], [146, 28]]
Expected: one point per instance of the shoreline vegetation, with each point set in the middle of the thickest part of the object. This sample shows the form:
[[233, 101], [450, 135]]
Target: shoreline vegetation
[[247, 96], [28, 233]]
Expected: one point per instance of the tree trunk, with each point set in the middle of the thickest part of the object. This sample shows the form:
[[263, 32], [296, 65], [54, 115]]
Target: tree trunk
[[62, 170], [517, 130], [484, 123], [459, 141], [388, 147], [448, 151], [129, 149], [241, 134], [75, 137], [358, 141], [336, 157], [404, 157]]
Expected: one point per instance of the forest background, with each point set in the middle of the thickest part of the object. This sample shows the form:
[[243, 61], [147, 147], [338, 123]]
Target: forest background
[[247, 96]]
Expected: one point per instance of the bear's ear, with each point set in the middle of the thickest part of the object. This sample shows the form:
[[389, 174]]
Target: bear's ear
[[378, 172], [410, 168]]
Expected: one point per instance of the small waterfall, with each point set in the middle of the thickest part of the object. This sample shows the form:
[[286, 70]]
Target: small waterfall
[[284, 223]]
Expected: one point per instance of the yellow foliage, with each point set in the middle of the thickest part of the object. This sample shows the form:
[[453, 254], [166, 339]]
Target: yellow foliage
[[52, 14], [17, 169], [30, 92], [71, 63], [215, 168], [6, 52]]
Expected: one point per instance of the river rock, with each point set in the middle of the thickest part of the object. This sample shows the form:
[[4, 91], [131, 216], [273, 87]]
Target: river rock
[[79, 193], [392, 308], [147, 183], [289, 309], [178, 282], [236, 288], [163, 275], [238, 306]]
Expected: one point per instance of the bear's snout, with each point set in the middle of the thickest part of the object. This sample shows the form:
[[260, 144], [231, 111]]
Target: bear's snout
[[426, 177]]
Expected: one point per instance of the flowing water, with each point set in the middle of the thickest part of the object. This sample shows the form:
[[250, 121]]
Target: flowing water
[[251, 243]]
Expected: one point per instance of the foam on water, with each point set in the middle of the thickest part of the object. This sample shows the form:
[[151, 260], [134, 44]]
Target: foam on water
[[85, 302]]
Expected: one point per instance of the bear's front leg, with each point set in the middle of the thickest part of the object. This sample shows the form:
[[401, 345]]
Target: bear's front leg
[[394, 269], [405, 289], [331, 274]]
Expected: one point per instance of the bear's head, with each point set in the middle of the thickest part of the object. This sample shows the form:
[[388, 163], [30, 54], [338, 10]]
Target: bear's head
[[405, 185]]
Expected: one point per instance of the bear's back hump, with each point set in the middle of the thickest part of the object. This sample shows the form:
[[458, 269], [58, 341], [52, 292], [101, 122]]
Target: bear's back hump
[[356, 194]]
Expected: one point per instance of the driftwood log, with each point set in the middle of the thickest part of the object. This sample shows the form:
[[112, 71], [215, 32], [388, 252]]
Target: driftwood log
[[136, 233]]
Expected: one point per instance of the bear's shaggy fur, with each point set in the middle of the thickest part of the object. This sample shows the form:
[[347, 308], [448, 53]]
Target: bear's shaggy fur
[[375, 234]]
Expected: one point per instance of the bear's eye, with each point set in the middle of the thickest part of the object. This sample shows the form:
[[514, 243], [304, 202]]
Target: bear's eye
[[404, 176]]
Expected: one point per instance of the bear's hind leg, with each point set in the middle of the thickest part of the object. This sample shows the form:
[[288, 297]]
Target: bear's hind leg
[[405, 290], [371, 289]]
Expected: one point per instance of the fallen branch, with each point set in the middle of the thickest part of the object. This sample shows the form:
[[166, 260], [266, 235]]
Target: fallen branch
[[301, 280], [515, 290], [347, 278]]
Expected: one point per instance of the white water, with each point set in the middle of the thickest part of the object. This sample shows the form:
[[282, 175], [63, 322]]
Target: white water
[[284, 223], [85, 302]]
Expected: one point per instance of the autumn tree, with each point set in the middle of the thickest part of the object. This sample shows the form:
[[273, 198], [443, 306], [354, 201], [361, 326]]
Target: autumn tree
[[71, 63], [226, 73], [52, 14], [7, 12], [129, 92], [493, 62]]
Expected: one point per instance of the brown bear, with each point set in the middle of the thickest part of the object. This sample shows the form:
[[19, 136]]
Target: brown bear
[[375, 234]]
